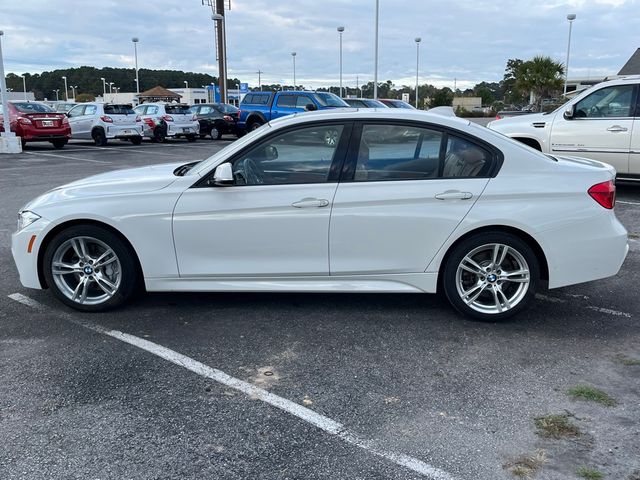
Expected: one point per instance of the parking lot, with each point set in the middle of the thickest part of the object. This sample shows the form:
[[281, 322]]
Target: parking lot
[[360, 386]]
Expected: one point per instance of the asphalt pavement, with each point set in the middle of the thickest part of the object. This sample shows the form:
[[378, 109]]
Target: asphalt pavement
[[304, 386]]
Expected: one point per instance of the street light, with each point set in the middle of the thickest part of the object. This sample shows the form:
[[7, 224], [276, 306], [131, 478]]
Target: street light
[[135, 41], [66, 89], [375, 67], [571, 17], [57, 96], [111, 87], [24, 86], [73, 90], [104, 88], [340, 31], [186, 84], [223, 64], [293, 55], [418, 40]]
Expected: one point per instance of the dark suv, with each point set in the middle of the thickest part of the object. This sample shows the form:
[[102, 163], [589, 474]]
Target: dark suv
[[216, 119]]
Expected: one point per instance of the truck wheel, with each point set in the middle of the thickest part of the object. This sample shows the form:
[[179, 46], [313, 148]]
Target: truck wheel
[[254, 125]]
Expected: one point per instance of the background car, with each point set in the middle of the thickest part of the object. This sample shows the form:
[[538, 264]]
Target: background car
[[103, 121], [64, 107], [36, 122], [454, 206], [364, 103], [216, 119], [168, 120], [394, 103]]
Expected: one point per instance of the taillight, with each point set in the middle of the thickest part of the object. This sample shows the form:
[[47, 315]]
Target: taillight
[[24, 121], [167, 118], [227, 118], [64, 120], [604, 193], [498, 117], [106, 118]]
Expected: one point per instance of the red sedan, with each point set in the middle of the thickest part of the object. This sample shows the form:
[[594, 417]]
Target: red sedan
[[36, 122]]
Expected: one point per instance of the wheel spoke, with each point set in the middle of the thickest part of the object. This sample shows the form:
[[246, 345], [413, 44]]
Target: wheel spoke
[[472, 266], [61, 268], [496, 299], [79, 247], [106, 286], [499, 254], [81, 290], [106, 258], [505, 300], [478, 289], [523, 276]]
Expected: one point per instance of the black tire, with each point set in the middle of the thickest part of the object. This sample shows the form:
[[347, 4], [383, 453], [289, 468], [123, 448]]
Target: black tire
[[59, 143], [491, 283], [136, 140], [159, 135], [256, 124], [23, 142], [191, 138], [128, 267], [99, 137], [215, 133], [202, 136]]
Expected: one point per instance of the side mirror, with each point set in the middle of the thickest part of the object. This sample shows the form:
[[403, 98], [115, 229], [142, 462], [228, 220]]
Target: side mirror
[[270, 152], [569, 112], [223, 175], [310, 107]]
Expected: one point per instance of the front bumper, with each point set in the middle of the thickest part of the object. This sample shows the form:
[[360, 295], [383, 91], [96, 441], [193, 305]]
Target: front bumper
[[25, 252]]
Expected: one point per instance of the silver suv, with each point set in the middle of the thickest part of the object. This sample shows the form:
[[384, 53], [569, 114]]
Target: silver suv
[[103, 121], [162, 120]]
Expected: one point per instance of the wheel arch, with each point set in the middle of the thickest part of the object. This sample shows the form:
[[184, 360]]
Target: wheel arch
[[524, 236], [253, 117], [72, 223]]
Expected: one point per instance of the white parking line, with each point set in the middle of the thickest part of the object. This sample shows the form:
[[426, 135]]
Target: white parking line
[[303, 413], [627, 203], [66, 157], [608, 311]]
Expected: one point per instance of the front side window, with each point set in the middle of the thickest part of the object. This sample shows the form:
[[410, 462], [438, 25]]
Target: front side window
[[299, 156], [76, 111], [330, 100], [614, 101], [140, 110], [302, 101]]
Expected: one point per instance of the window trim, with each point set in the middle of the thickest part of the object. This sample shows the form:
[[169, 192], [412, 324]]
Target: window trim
[[496, 157], [335, 169]]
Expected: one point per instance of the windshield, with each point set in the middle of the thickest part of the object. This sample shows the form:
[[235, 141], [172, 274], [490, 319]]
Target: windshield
[[28, 107], [178, 109], [118, 110], [330, 100]]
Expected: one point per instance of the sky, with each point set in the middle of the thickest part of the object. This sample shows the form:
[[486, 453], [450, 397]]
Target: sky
[[463, 41]]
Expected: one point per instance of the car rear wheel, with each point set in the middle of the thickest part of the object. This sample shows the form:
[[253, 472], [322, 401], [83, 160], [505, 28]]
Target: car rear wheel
[[136, 140], [99, 137], [215, 133], [191, 138], [89, 268], [491, 276], [158, 135], [59, 143]]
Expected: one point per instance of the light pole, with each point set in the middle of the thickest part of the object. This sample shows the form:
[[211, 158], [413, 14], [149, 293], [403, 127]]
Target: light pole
[[259, 72], [340, 31], [24, 86], [223, 64], [104, 88], [73, 90], [110, 88], [56, 92], [293, 55], [418, 39], [571, 17], [375, 63], [213, 93], [186, 84], [66, 89], [135, 41]]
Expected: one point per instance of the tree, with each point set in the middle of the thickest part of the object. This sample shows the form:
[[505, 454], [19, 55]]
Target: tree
[[510, 91], [541, 75], [442, 98]]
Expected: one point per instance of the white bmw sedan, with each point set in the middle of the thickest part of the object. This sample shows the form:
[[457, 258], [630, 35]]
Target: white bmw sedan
[[401, 201]]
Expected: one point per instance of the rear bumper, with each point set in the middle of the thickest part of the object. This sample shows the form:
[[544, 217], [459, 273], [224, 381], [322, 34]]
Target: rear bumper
[[43, 134], [183, 129], [123, 131], [597, 249]]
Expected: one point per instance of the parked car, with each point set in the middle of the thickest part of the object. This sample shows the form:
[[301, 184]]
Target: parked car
[[393, 103], [168, 120], [64, 107], [455, 206], [258, 108], [364, 103], [216, 119], [36, 122], [601, 123], [103, 121]]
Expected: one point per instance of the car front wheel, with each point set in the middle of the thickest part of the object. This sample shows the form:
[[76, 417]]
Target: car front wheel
[[491, 276], [89, 268]]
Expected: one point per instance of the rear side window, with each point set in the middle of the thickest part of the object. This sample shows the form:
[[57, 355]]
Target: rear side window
[[177, 109], [90, 110], [256, 99], [118, 110], [152, 110], [286, 101], [464, 159]]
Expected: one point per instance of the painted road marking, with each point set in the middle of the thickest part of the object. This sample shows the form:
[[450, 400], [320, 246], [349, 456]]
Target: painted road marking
[[627, 203], [65, 157], [608, 311], [318, 420]]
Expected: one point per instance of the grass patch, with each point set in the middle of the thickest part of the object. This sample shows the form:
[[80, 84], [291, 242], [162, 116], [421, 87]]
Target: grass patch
[[630, 362], [556, 426], [634, 235], [526, 466], [589, 473], [592, 394]]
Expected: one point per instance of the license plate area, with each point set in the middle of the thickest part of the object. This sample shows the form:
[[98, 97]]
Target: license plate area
[[47, 123]]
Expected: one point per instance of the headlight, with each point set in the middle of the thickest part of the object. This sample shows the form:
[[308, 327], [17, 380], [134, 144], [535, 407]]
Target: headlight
[[26, 218]]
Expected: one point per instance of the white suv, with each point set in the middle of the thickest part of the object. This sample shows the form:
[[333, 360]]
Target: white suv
[[103, 121], [601, 123], [162, 120]]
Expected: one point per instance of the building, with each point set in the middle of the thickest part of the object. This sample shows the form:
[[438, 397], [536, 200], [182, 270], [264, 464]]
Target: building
[[632, 67], [193, 95], [16, 96], [467, 103]]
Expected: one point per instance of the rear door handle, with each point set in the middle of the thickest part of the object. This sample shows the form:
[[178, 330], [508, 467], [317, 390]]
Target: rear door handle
[[310, 203], [454, 195], [617, 128]]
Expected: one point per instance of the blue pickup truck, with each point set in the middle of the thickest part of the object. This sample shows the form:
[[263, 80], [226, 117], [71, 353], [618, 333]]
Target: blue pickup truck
[[257, 108]]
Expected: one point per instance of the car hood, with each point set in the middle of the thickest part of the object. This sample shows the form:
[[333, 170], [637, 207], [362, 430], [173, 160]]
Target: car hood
[[520, 120], [119, 182]]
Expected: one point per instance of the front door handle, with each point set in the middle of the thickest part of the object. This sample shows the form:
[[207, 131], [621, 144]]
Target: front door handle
[[454, 195], [310, 203], [617, 128]]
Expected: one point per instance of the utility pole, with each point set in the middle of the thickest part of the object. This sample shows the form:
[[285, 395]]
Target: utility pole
[[259, 72], [375, 68]]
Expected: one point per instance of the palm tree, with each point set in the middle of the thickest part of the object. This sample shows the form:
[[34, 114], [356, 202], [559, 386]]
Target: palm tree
[[541, 75]]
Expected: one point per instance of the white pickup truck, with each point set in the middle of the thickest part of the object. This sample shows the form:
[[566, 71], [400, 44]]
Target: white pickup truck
[[601, 123]]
